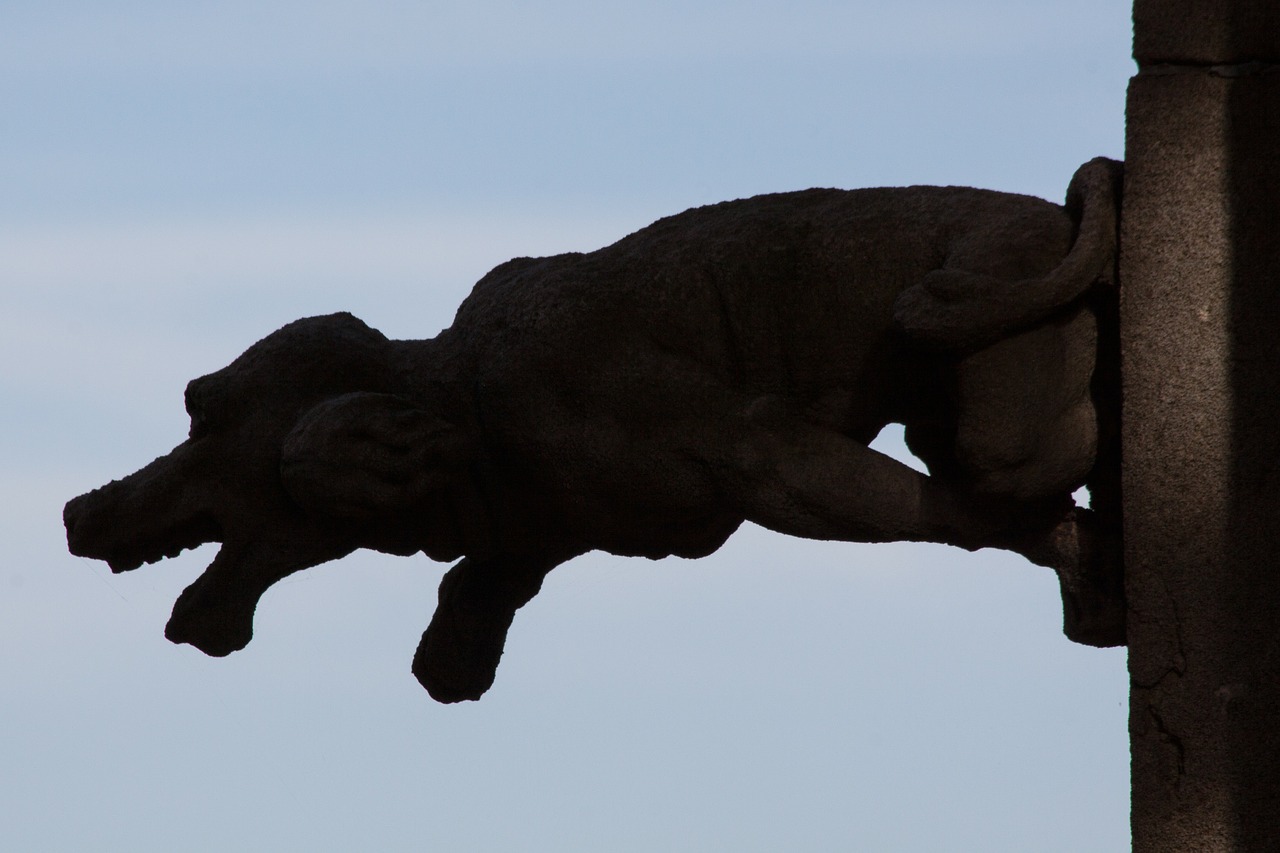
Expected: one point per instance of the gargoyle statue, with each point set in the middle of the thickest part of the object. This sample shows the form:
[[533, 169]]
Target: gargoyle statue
[[729, 363]]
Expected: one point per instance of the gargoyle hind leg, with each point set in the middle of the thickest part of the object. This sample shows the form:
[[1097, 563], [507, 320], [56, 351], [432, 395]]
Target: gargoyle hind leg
[[798, 478], [459, 652]]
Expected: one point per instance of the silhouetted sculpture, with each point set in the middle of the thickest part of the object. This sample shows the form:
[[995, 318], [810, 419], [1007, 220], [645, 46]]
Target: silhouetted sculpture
[[730, 363]]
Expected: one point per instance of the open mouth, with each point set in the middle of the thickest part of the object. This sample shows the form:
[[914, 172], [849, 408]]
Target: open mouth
[[184, 536]]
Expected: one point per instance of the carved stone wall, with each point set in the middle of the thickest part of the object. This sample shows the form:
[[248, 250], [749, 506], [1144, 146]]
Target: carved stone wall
[[1200, 272]]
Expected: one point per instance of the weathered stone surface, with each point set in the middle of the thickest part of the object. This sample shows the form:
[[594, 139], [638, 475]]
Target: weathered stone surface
[[1200, 263], [1175, 310], [1206, 32], [730, 363]]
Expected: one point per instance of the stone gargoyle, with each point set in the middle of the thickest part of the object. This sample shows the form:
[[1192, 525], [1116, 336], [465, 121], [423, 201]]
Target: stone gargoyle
[[729, 363]]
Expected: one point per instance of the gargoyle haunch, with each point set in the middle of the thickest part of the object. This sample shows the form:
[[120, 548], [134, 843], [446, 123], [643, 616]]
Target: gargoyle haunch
[[729, 363]]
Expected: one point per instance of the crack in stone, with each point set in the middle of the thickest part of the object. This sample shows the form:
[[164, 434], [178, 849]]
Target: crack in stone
[[1252, 68], [1178, 666], [1172, 740], [1156, 682]]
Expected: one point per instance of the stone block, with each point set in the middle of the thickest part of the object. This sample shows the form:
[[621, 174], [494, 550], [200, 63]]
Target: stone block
[[1200, 258], [1208, 32]]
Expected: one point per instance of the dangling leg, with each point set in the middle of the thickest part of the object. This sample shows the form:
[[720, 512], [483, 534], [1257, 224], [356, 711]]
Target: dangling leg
[[459, 652]]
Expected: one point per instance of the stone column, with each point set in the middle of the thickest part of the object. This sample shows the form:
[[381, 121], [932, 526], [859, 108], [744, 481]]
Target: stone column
[[1200, 348]]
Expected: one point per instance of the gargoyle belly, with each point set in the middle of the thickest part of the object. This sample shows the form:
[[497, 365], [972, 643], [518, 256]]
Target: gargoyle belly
[[658, 535]]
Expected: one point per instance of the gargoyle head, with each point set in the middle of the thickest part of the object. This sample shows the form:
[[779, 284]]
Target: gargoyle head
[[304, 449]]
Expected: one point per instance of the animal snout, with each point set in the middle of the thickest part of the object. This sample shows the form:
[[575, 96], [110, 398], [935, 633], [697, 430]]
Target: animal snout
[[83, 519]]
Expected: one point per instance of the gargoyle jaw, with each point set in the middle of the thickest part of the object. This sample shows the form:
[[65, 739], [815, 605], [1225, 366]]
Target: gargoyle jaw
[[168, 507], [111, 524], [140, 519], [215, 613]]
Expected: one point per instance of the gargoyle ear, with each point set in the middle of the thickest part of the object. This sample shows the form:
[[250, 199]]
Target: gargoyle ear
[[364, 454]]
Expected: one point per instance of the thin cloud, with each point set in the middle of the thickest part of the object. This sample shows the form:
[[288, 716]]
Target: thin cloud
[[249, 38], [100, 305], [145, 256]]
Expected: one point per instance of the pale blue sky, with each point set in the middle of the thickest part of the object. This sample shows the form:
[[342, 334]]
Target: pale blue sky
[[178, 180]]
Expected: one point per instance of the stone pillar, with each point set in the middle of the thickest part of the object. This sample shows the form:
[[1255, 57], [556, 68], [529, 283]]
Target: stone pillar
[[1200, 348]]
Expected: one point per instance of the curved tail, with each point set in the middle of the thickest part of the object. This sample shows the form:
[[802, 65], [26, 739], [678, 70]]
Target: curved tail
[[956, 309]]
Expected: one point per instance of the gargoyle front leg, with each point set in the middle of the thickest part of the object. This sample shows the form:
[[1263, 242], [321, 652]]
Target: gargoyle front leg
[[459, 652]]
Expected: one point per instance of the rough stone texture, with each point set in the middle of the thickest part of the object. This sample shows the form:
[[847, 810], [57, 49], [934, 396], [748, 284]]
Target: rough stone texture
[[1201, 357], [727, 364], [1209, 32]]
